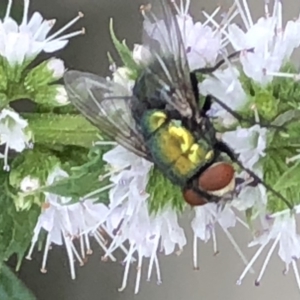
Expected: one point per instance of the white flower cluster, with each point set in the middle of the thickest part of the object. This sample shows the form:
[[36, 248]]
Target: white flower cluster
[[127, 219], [19, 45]]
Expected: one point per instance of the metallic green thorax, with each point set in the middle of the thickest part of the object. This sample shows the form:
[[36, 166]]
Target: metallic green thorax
[[173, 148]]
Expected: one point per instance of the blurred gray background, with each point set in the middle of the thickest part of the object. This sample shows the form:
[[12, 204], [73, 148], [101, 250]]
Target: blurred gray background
[[97, 280]]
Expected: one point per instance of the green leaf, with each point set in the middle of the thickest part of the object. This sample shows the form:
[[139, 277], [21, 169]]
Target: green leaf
[[290, 178], [83, 179], [275, 166], [36, 162], [163, 193], [63, 129], [43, 94], [286, 89], [11, 288], [286, 117], [16, 228], [266, 104], [124, 52], [39, 77]]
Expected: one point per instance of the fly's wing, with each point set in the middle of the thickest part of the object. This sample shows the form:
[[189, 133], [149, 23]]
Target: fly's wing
[[106, 106], [168, 68]]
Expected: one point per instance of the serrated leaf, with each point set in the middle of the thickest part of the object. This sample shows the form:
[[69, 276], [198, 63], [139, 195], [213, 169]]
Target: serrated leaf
[[24, 223], [124, 52], [37, 162], [163, 193], [64, 129], [16, 228], [82, 180], [290, 178], [274, 165], [286, 117], [11, 288]]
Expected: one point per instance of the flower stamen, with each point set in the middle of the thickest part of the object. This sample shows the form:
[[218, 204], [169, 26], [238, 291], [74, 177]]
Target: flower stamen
[[45, 255], [8, 9], [252, 261], [71, 35], [159, 281], [237, 248], [6, 166], [195, 252], [267, 11], [82, 246], [81, 263], [242, 13], [102, 245], [89, 251], [107, 187], [126, 271], [296, 272], [296, 77], [214, 238], [70, 256], [64, 28], [248, 14], [152, 258], [210, 17], [25, 12], [268, 257], [121, 246], [139, 271]]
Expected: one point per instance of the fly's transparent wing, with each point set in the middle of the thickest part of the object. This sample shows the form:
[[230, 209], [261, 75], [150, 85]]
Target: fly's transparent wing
[[168, 68], [106, 106]]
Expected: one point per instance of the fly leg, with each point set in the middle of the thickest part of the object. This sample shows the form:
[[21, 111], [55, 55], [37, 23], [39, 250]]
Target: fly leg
[[210, 70], [240, 118], [222, 147]]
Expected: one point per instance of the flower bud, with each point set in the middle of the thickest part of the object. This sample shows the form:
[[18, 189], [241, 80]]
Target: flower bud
[[56, 67], [61, 96], [141, 54], [29, 183]]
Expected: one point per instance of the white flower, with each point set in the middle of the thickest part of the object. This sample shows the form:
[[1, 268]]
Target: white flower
[[130, 219], [56, 67], [249, 143], [283, 232], [202, 43], [29, 183], [13, 133], [61, 95], [19, 43], [141, 54], [64, 221], [251, 197], [204, 226], [272, 43], [121, 76], [226, 87]]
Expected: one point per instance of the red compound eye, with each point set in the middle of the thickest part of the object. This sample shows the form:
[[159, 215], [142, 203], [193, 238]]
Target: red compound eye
[[217, 177], [192, 198], [216, 180]]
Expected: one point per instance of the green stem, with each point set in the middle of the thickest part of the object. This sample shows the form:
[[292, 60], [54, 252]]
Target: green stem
[[61, 129]]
